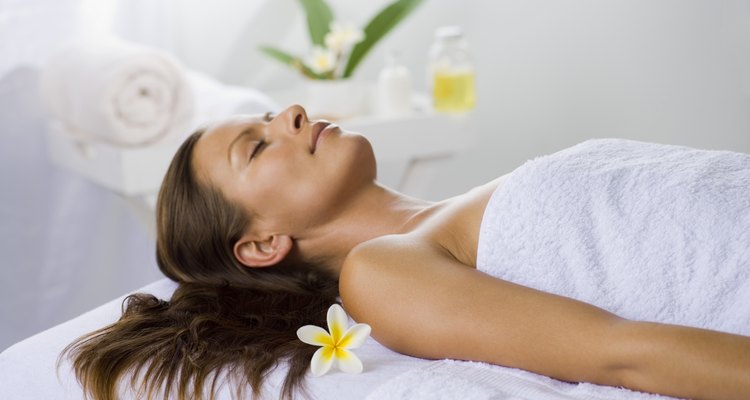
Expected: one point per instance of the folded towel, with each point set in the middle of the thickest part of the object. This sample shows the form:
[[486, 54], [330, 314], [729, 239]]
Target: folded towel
[[118, 92], [646, 231]]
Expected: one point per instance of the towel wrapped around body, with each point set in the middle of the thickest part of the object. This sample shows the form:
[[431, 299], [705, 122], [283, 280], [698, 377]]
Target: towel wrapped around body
[[647, 231], [118, 92]]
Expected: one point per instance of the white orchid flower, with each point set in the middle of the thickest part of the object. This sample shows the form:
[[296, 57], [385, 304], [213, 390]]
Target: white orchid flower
[[336, 345], [321, 60], [342, 36]]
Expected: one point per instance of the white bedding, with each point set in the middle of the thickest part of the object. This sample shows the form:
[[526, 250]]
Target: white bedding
[[27, 371]]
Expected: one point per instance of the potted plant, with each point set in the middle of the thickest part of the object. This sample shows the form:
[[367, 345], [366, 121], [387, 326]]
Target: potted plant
[[337, 49]]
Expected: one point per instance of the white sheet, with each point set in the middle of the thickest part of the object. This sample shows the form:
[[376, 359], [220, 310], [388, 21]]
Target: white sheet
[[27, 369], [451, 379]]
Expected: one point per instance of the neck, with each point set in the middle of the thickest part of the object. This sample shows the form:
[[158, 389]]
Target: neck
[[375, 212]]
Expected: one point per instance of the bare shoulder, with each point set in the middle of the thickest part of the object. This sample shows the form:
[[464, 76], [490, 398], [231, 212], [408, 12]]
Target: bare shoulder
[[422, 302], [403, 269], [377, 257], [375, 277]]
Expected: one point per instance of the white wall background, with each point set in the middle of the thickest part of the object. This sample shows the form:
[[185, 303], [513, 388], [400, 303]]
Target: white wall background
[[550, 73], [554, 73]]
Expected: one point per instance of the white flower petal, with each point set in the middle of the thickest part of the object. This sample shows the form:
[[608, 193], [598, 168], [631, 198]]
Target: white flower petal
[[322, 361], [348, 362], [354, 336], [314, 335], [341, 36], [337, 322], [321, 60], [333, 42], [347, 27]]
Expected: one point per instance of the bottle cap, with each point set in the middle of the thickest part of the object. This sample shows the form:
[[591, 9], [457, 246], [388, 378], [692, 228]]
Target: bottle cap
[[449, 32]]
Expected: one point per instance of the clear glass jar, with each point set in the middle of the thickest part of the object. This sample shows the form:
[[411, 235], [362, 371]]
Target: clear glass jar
[[451, 72]]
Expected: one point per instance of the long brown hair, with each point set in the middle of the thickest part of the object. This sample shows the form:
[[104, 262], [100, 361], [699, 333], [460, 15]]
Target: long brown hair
[[224, 321]]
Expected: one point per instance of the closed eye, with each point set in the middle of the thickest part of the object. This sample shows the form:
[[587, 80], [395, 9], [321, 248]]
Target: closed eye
[[268, 117], [257, 148]]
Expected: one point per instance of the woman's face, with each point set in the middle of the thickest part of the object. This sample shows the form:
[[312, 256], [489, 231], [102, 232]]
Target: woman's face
[[289, 173]]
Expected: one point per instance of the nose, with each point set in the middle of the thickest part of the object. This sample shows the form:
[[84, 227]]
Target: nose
[[294, 118]]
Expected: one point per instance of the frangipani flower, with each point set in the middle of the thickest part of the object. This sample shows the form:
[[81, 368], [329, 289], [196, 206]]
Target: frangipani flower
[[321, 60], [342, 36], [335, 345]]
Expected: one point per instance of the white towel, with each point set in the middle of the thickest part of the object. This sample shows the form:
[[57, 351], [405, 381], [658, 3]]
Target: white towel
[[118, 92], [646, 231], [451, 379]]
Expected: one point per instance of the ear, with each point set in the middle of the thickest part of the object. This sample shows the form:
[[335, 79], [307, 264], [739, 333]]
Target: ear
[[262, 253]]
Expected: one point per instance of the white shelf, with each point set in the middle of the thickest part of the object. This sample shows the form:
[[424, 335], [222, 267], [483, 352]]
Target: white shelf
[[400, 145]]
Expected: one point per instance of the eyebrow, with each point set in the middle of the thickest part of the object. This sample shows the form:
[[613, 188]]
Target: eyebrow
[[248, 130]]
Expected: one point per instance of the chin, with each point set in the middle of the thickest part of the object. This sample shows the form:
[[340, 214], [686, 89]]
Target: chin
[[365, 160], [355, 155]]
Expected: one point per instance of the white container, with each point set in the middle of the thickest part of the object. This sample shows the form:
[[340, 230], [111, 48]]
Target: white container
[[394, 88], [336, 99]]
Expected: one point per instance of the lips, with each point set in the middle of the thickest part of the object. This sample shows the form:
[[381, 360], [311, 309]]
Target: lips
[[315, 134]]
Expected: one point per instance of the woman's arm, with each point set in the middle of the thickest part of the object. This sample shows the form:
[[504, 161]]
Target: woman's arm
[[687, 362], [420, 301]]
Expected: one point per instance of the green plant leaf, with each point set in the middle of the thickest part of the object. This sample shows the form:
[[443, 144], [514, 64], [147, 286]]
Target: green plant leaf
[[378, 27], [279, 55], [319, 17], [290, 60]]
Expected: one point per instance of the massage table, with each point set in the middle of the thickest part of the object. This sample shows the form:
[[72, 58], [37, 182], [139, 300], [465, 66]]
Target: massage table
[[407, 149], [28, 371]]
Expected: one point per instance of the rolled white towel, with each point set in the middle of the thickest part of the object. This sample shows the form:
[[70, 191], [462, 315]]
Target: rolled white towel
[[118, 92]]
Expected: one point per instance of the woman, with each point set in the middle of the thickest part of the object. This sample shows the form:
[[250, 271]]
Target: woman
[[265, 221]]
